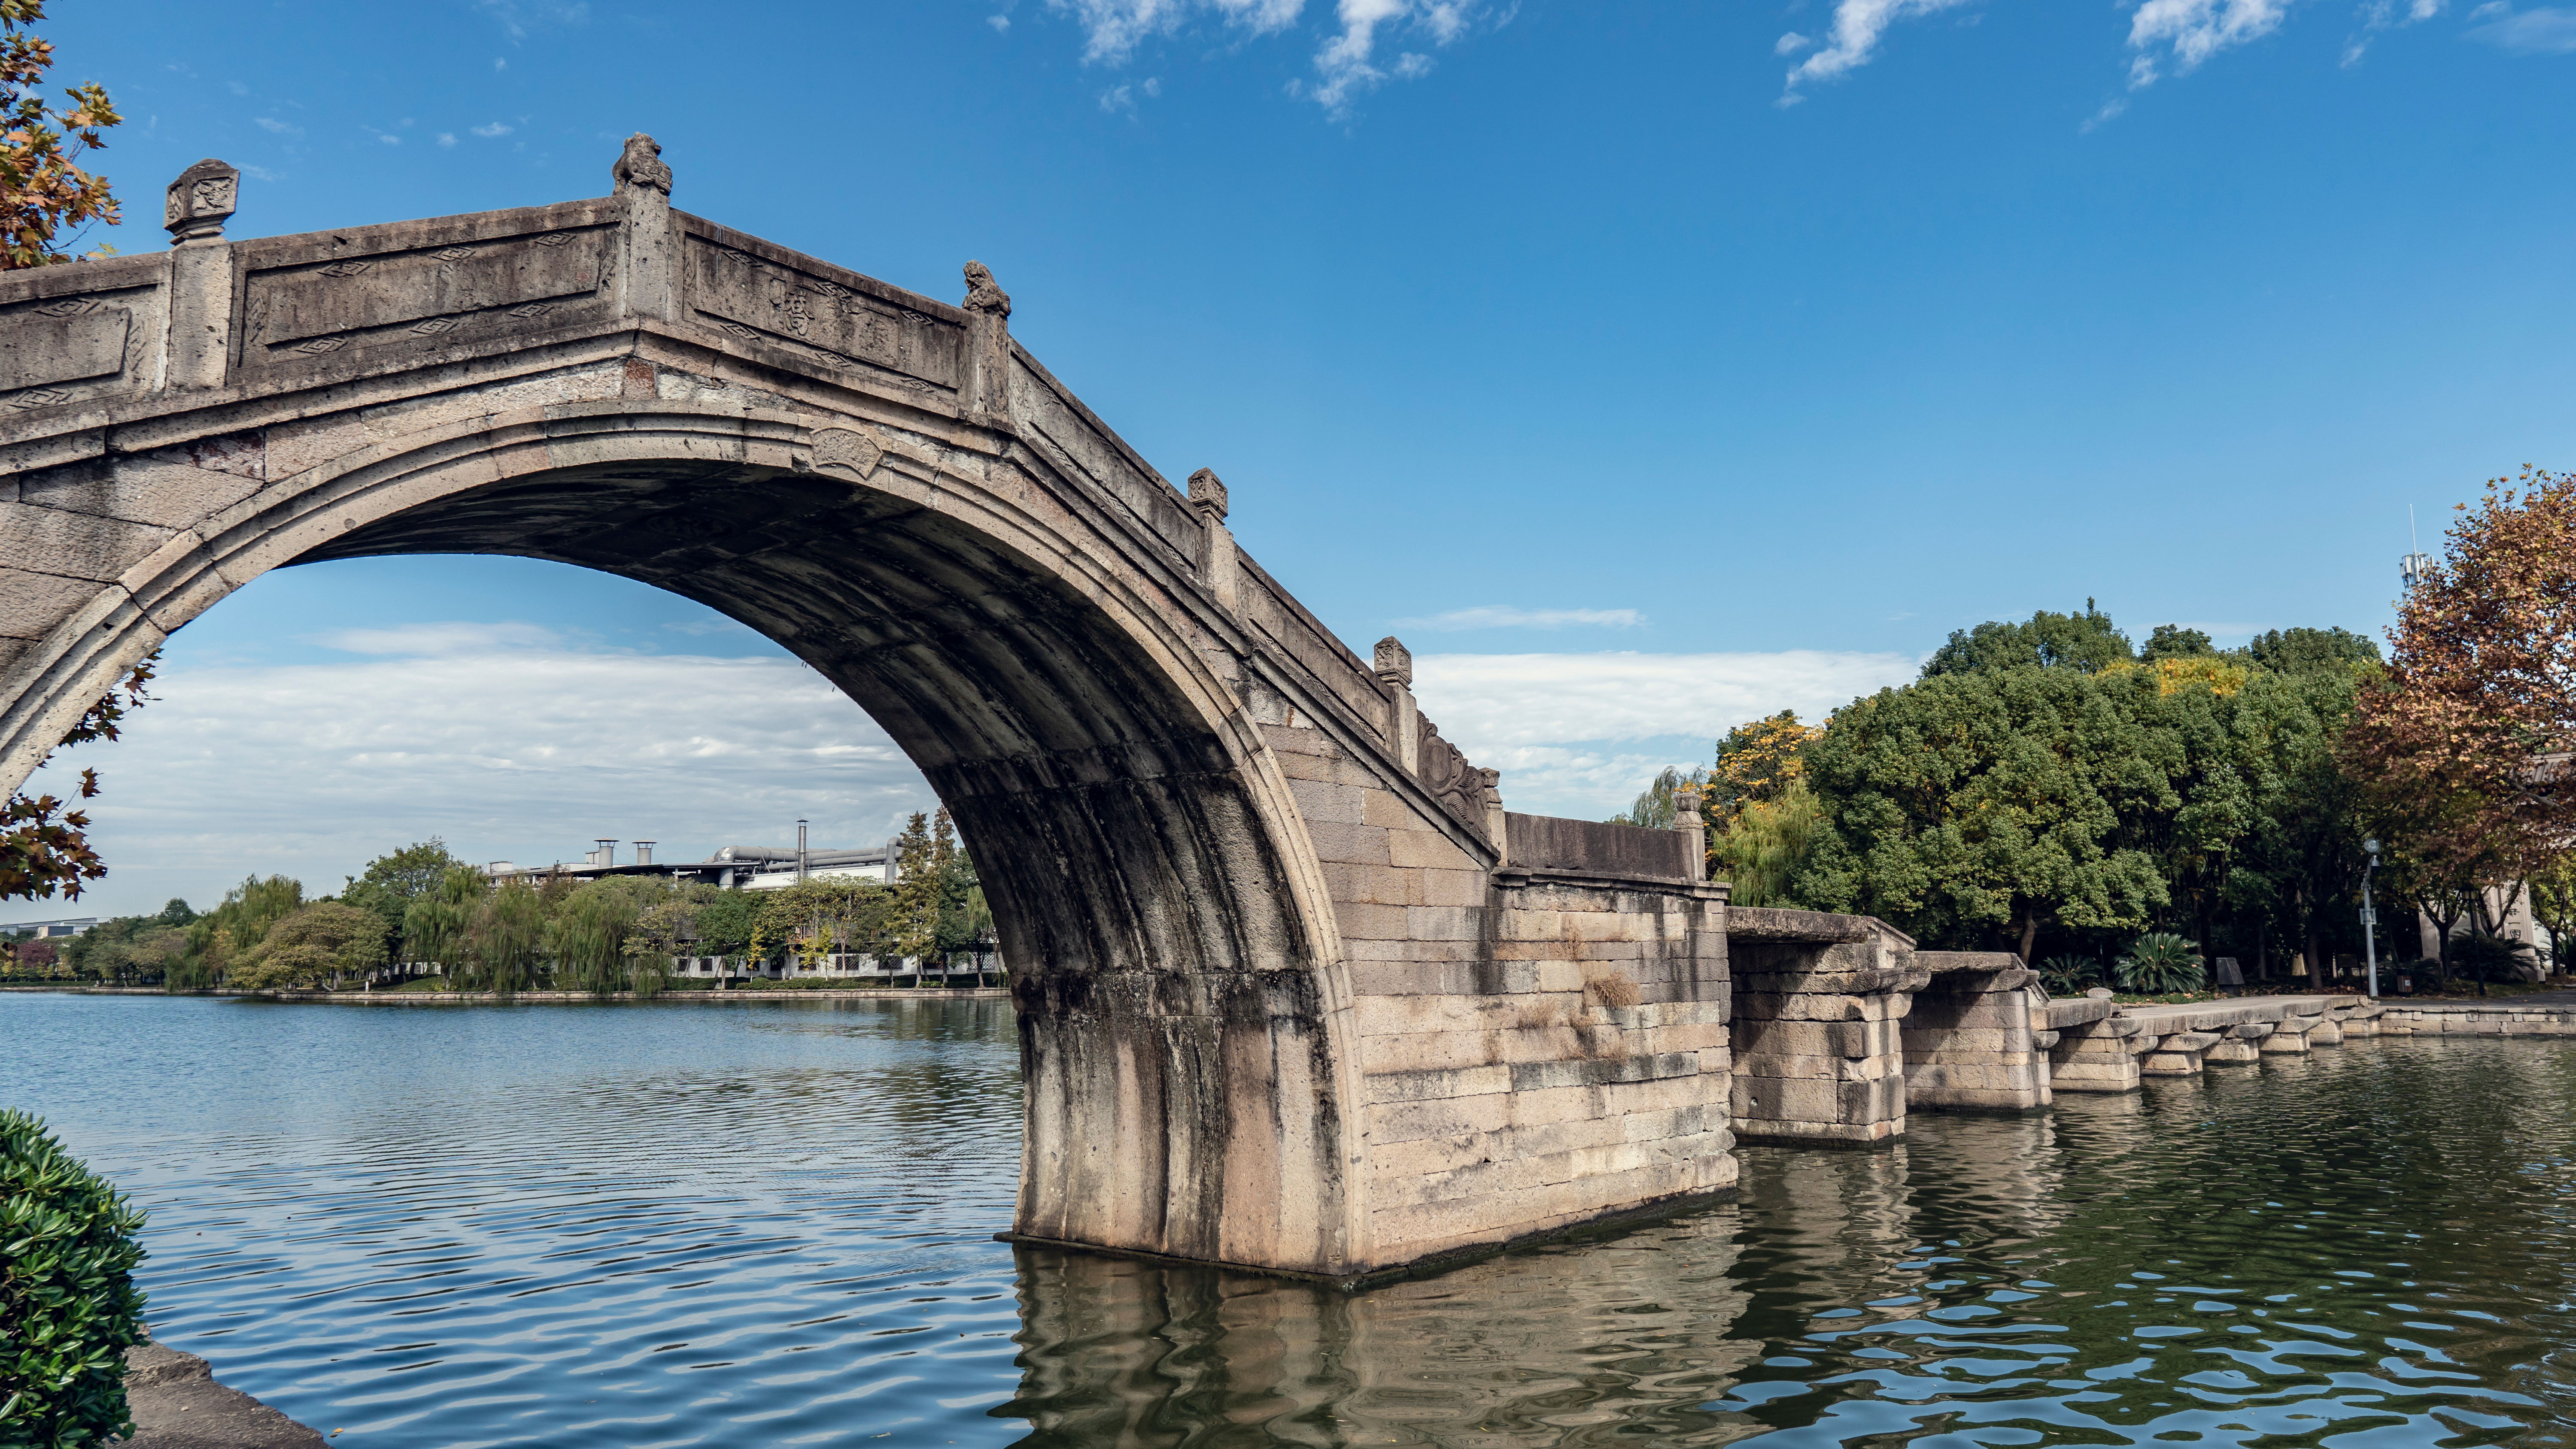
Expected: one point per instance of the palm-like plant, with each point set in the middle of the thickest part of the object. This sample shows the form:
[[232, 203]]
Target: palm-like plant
[[2161, 963], [2070, 975]]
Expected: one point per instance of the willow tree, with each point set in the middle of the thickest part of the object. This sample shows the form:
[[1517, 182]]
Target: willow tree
[[504, 941]]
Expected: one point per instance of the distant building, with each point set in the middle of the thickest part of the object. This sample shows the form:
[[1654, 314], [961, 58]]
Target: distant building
[[40, 930], [735, 867]]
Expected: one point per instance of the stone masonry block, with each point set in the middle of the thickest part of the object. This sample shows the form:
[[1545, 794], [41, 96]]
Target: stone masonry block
[[1354, 844], [1328, 803], [1424, 848], [39, 602], [75, 545]]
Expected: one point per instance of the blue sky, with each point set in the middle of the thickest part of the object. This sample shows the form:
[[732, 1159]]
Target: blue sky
[[1664, 362]]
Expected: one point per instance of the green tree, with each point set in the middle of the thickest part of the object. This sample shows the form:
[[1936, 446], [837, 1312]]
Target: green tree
[[435, 922], [1988, 801], [2083, 642], [2300, 862], [322, 944], [234, 929], [588, 936], [1654, 806], [2307, 651], [1764, 847], [503, 946], [176, 913], [2174, 641], [391, 882], [830, 915]]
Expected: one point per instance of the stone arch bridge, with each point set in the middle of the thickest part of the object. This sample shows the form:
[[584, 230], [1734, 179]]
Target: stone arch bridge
[[1295, 990]]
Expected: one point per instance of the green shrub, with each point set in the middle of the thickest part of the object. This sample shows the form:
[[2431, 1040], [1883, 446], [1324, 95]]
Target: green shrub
[[2070, 975], [68, 1305], [2160, 964]]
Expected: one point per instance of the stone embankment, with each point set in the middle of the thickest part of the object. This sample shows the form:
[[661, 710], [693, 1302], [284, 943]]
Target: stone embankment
[[2096, 1045], [556, 998], [177, 1404]]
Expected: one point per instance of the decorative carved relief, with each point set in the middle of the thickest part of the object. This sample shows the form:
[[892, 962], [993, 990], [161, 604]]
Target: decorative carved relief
[[759, 300], [1207, 494], [308, 308], [1394, 662], [63, 340], [200, 201], [555, 239], [42, 397], [68, 307], [854, 449], [1457, 785]]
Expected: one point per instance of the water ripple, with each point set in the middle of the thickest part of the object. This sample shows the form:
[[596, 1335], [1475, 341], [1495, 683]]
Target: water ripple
[[771, 1225]]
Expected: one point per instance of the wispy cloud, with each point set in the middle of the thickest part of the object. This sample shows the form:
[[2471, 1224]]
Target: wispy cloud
[[1112, 29], [2379, 15], [276, 127], [1352, 60], [1506, 616], [492, 132], [2541, 30], [439, 638], [2185, 33], [1852, 41], [1575, 734], [521, 752]]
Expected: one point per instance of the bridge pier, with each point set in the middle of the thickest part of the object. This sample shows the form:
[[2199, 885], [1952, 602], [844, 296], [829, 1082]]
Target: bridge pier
[[1969, 1043], [1819, 1052]]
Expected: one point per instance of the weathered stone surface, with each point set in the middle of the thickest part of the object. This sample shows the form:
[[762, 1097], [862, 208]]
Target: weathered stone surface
[[177, 1404], [1267, 928]]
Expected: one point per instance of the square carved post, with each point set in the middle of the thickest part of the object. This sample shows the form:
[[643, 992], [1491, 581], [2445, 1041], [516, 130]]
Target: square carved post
[[201, 276], [984, 387], [1219, 566], [648, 243], [1394, 668]]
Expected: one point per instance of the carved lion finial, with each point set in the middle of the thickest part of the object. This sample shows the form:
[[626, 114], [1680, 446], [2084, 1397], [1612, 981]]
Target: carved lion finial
[[641, 164], [1394, 662], [983, 294], [1207, 494]]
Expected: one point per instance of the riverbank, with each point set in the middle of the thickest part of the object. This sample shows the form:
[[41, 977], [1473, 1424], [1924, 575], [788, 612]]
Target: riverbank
[[552, 998], [177, 1404]]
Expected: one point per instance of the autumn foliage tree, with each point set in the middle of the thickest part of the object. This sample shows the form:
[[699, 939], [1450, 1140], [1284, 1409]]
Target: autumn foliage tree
[[43, 189], [44, 846], [2463, 747]]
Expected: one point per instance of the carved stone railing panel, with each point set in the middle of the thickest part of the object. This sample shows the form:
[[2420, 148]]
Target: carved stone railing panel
[[369, 296], [853, 326], [78, 333], [1042, 406], [1448, 778], [1326, 665]]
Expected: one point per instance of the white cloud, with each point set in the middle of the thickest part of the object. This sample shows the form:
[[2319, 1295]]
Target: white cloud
[[439, 638], [276, 127], [492, 132], [524, 752], [447, 138], [1505, 616], [1578, 734], [388, 138], [2542, 30], [1001, 23], [1347, 65], [1858, 26], [1112, 29], [1792, 43], [2188, 32]]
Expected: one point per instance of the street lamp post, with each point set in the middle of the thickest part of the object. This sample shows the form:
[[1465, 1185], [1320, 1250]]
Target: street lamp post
[[2370, 917]]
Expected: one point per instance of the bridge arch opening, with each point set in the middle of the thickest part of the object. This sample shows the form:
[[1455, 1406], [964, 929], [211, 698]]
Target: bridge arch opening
[[1174, 977]]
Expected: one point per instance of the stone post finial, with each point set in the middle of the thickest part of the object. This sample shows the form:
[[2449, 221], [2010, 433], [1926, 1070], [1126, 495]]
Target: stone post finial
[[201, 200], [1207, 495], [1687, 819], [1395, 662], [1686, 814], [983, 294], [641, 165]]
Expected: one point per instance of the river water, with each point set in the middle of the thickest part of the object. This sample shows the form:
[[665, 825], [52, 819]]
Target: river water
[[771, 1223]]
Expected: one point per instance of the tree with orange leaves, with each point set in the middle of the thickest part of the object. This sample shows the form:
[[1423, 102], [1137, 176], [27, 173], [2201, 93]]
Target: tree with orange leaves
[[2463, 745], [42, 190]]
